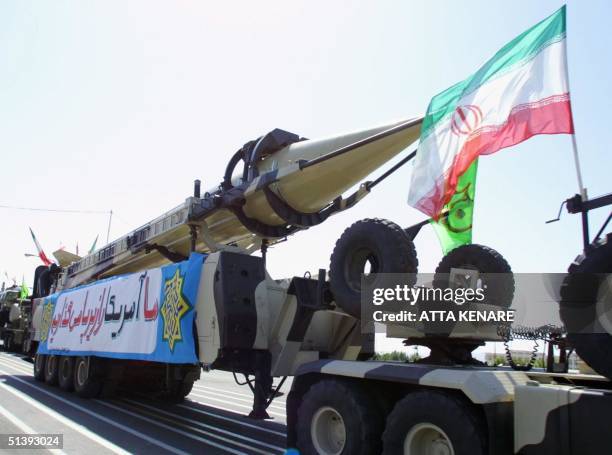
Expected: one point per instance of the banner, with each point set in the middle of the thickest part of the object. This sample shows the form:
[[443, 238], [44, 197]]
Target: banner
[[141, 316]]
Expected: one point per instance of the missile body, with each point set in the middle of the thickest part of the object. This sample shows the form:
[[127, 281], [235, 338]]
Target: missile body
[[312, 188], [287, 184]]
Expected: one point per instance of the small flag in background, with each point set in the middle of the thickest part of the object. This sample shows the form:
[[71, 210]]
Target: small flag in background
[[23, 291], [522, 91], [93, 247], [41, 254]]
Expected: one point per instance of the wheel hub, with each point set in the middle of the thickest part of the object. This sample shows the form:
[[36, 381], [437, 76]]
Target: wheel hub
[[328, 431], [604, 304], [82, 373], [50, 365], [427, 439]]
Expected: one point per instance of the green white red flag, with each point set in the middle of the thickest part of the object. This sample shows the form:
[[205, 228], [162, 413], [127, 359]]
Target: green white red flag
[[522, 91], [41, 254]]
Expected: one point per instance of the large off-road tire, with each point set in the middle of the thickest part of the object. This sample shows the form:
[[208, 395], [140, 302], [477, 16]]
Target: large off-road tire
[[51, 370], [434, 422], [338, 418], [380, 243], [497, 281], [584, 306], [87, 383], [39, 367], [65, 373]]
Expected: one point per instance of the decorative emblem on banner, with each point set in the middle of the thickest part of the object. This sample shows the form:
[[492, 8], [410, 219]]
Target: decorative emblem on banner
[[173, 308], [47, 317]]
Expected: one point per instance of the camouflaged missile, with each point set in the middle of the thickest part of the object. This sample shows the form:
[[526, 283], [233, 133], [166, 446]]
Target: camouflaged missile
[[273, 187]]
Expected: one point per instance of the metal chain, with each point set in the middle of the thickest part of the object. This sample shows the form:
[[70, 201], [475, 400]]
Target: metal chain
[[541, 333]]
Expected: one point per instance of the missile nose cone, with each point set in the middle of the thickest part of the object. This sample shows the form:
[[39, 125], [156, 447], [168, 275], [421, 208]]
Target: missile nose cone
[[328, 167]]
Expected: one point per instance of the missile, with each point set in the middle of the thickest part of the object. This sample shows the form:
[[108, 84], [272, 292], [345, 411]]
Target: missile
[[273, 187]]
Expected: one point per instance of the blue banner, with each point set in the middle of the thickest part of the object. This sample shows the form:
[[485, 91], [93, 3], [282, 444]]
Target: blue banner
[[141, 316]]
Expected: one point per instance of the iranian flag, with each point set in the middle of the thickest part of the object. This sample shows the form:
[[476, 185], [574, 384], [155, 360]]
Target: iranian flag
[[41, 254], [522, 91]]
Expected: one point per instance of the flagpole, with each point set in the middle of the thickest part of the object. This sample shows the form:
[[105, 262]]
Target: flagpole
[[581, 188], [110, 218]]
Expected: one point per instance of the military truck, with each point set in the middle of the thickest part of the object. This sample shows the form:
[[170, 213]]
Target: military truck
[[15, 321], [108, 320], [250, 324]]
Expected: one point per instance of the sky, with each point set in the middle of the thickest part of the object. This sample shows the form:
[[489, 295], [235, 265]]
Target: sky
[[120, 105]]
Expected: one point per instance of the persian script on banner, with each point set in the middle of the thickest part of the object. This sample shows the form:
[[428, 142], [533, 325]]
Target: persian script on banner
[[144, 316]]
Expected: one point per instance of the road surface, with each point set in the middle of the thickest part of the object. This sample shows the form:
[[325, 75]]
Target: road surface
[[211, 421]]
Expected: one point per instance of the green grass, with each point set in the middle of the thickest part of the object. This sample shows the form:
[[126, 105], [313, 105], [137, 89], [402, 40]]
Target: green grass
[[396, 356]]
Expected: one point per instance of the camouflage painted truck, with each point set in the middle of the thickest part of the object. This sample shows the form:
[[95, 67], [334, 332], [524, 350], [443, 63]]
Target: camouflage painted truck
[[15, 321], [184, 293]]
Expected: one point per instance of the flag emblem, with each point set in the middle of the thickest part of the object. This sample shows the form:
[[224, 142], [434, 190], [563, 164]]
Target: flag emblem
[[466, 119]]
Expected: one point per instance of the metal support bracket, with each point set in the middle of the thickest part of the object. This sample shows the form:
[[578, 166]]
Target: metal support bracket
[[165, 252], [304, 220], [214, 246]]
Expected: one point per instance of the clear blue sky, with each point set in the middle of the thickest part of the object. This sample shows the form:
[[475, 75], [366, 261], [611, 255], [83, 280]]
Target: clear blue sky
[[121, 105]]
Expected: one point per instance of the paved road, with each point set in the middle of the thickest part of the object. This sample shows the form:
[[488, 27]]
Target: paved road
[[211, 421]]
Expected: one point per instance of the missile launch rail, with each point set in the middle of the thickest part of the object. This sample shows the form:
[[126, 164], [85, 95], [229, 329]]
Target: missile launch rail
[[255, 209]]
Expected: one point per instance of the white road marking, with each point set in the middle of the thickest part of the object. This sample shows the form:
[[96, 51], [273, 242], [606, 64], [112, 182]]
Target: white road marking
[[24, 426], [229, 419], [22, 367], [176, 430], [93, 414], [17, 363], [199, 411], [75, 426], [230, 403], [232, 392], [210, 427], [245, 400]]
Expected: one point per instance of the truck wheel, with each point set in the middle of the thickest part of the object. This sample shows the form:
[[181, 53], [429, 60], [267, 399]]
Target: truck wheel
[[86, 384], [499, 287], [336, 418], [8, 343], [380, 244], [177, 392], [39, 367], [585, 307], [427, 422], [51, 370], [65, 373]]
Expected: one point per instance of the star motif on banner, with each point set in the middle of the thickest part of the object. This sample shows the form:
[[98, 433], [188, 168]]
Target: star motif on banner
[[47, 316], [173, 308]]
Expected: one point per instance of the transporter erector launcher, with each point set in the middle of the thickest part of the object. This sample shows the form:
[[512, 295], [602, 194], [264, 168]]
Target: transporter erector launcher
[[272, 187]]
